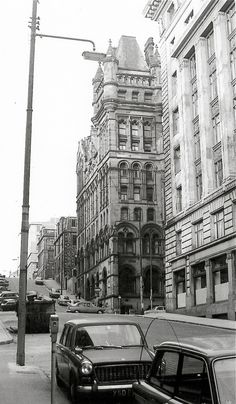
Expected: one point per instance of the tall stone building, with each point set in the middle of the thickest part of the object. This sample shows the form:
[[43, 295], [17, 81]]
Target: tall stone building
[[197, 49], [45, 246], [65, 252], [120, 177]]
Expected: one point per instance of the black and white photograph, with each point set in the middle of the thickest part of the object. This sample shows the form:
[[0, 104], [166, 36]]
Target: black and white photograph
[[118, 201]]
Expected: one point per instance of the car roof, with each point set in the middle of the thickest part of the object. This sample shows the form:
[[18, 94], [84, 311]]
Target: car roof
[[211, 347], [214, 322], [96, 321]]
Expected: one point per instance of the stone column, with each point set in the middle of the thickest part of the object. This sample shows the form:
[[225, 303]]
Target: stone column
[[186, 126], [209, 285], [232, 285], [204, 110], [225, 96]]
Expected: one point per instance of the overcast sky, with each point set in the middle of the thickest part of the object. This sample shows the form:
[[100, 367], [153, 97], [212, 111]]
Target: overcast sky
[[62, 101]]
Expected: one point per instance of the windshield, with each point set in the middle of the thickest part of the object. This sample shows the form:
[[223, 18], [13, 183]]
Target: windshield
[[108, 335], [225, 373]]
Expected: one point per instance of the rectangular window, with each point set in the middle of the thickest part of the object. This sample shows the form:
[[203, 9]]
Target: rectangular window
[[213, 79], [192, 66], [124, 213], [218, 221], [180, 281], [216, 128], [123, 193], [179, 199], [198, 233], [175, 121], [134, 146], [147, 147], [148, 97], [177, 159], [150, 194], [137, 193], [178, 242], [199, 182], [218, 173], [194, 99], [135, 95], [210, 44], [174, 83], [121, 94], [197, 145]]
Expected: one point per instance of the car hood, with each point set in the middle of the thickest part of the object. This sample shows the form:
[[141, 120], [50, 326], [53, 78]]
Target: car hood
[[115, 355]]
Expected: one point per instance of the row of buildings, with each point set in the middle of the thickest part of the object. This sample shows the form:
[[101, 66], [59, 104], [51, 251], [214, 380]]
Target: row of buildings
[[156, 177]]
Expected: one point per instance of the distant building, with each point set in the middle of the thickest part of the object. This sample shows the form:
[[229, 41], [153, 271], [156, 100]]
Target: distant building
[[65, 252], [45, 247], [34, 233], [120, 183], [197, 49]]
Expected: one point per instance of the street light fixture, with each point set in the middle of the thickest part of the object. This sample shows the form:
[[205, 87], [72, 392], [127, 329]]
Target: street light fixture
[[20, 359]]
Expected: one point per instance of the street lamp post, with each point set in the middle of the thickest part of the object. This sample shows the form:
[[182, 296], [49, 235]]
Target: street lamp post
[[20, 359]]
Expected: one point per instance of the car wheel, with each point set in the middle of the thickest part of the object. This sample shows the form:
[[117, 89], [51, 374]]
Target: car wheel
[[58, 379], [73, 392], [100, 311]]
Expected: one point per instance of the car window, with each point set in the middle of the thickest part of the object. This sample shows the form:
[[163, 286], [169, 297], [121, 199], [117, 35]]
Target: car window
[[68, 336], [64, 335], [164, 372], [193, 383], [82, 338]]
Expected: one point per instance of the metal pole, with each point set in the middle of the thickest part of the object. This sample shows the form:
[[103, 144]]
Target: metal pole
[[141, 269], [25, 206], [150, 246]]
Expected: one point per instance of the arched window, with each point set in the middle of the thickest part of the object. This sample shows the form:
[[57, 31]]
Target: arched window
[[92, 287], [88, 289], [156, 285], [124, 214], [127, 283], [149, 172], [136, 170], [146, 244], [130, 243], [150, 215], [121, 241], [137, 214], [104, 282], [97, 280], [123, 169]]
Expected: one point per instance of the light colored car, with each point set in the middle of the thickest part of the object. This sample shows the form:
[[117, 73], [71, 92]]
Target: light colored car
[[8, 305], [156, 309], [84, 307], [64, 300]]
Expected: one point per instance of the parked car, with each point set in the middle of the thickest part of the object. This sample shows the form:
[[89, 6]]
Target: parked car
[[55, 293], [64, 300], [8, 305], [39, 281], [8, 295], [84, 307], [156, 309], [199, 370], [96, 357]]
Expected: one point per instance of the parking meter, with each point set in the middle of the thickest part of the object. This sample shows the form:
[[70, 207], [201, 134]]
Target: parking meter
[[54, 326]]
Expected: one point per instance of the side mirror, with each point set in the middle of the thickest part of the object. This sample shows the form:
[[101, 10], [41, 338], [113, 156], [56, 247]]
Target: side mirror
[[78, 350]]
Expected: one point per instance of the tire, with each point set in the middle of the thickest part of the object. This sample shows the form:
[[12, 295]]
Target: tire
[[100, 312], [73, 392]]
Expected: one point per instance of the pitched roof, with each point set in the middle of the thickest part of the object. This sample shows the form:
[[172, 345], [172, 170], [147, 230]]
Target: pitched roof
[[129, 54]]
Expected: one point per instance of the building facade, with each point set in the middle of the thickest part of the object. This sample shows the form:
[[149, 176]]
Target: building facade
[[197, 49], [45, 247], [120, 183], [32, 261], [65, 252]]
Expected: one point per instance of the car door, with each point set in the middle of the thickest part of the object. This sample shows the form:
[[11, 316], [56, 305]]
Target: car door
[[62, 352], [160, 385]]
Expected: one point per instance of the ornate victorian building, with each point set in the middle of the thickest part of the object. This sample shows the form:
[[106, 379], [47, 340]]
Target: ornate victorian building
[[197, 49], [120, 177]]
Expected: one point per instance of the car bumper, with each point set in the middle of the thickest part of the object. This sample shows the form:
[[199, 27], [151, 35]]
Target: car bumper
[[104, 389]]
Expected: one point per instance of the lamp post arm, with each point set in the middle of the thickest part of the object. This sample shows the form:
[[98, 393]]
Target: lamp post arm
[[65, 37]]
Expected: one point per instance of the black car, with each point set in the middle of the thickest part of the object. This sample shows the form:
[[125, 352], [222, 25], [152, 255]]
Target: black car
[[8, 305], [101, 356], [198, 371]]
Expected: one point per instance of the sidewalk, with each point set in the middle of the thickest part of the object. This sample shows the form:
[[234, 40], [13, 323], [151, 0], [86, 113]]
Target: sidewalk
[[24, 384]]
